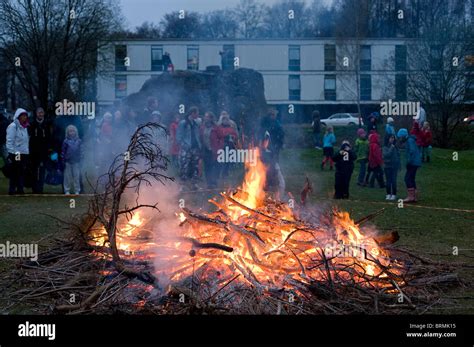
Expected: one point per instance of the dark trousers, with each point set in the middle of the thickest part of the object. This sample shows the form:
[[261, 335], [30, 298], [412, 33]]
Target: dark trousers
[[362, 171], [391, 177], [189, 164], [375, 173], [38, 172], [210, 168], [410, 176], [18, 172], [341, 185]]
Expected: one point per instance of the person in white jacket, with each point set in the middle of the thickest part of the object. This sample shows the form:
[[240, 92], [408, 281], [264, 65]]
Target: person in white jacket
[[17, 145]]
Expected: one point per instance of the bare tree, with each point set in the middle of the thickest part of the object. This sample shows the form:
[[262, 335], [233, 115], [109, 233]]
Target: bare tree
[[287, 19], [50, 43], [439, 77], [181, 25], [250, 14], [143, 163], [351, 33], [219, 24]]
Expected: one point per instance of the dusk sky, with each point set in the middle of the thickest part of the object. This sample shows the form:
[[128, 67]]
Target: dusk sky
[[138, 11]]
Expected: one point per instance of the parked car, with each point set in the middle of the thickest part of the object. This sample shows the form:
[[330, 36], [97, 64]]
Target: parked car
[[469, 119], [342, 119]]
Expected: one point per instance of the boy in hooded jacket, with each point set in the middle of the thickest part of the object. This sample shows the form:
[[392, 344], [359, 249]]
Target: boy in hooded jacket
[[344, 160]]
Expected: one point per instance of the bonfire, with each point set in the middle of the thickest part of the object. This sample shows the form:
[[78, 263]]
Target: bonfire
[[251, 254]]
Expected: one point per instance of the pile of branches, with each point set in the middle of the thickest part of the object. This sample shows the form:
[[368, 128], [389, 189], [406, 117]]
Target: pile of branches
[[71, 266]]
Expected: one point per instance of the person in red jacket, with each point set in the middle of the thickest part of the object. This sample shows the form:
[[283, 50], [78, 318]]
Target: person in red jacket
[[174, 146], [418, 133], [375, 161], [226, 137], [427, 137]]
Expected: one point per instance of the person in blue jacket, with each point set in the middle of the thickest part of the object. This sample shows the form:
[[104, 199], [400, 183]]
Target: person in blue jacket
[[329, 140], [413, 162]]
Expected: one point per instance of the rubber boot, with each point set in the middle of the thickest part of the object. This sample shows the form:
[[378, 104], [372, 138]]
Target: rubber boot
[[411, 196]]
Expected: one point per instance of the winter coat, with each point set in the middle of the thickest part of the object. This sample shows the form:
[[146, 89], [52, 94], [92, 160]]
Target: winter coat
[[389, 130], [40, 139], [185, 132], [345, 166], [316, 125], [329, 140], [413, 151], [391, 157], [375, 152], [209, 138], [427, 138], [225, 136], [362, 149], [71, 150], [416, 131], [277, 134], [17, 136]]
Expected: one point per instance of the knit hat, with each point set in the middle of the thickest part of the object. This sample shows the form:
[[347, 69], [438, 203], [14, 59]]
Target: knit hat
[[402, 132], [389, 120], [361, 132]]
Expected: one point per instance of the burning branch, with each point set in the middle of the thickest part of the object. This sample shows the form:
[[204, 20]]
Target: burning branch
[[143, 163]]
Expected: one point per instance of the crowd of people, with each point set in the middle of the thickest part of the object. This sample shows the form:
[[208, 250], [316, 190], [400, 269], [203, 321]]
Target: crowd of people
[[39, 150], [378, 159]]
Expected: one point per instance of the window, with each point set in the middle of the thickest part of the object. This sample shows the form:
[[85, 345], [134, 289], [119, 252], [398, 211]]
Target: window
[[120, 86], [365, 87], [329, 57], [400, 87], [400, 58], [330, 87], [193, 58], [294, 87], [120, 55], [436, 58], [294, 58], [365, 58], [227, 57], [156, 58]]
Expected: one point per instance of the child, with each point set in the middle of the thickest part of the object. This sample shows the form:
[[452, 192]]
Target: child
[[389, 128], [375, 161], [344, 167], [362, 152], [427, 139], [329, 141], [391, 159], [71, 157], [413, 160]]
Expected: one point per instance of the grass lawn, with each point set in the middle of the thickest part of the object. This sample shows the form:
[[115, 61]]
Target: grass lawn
[[426, 227]]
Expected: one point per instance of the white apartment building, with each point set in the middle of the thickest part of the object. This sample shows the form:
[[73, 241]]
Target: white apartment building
[[303, 72]]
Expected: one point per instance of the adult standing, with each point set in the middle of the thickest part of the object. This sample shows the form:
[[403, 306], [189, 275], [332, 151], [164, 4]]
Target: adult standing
[[210, 146], [316, 126], [187, 137], [40, 145], [18, 150]]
